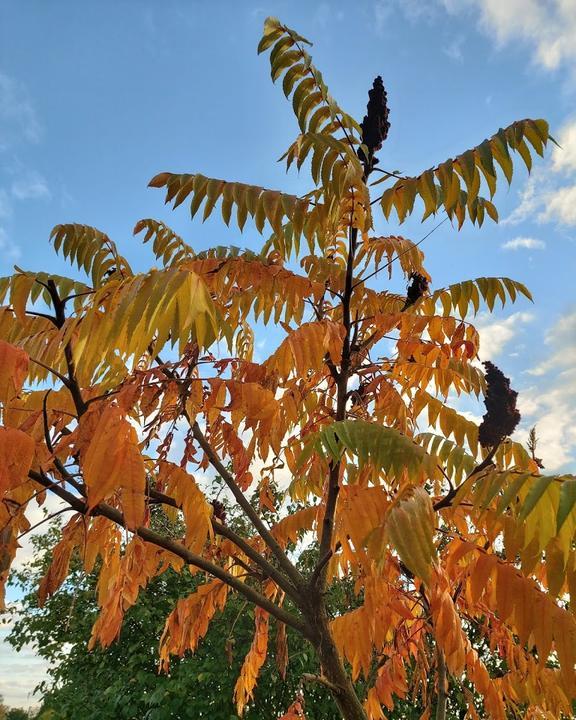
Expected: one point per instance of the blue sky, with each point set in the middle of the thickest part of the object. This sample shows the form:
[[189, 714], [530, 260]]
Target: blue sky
[[96, 98]]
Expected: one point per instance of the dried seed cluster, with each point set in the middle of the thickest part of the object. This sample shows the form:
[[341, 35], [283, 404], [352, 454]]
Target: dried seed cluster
[[501, 417], [219, 511], [417, 287], [375, 125]]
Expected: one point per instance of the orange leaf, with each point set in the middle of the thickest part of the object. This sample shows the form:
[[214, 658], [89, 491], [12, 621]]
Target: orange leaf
[[243, 692], [113, 462], [13, 370], [16, 455]]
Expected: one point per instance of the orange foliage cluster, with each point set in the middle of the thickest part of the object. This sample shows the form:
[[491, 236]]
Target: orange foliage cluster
[[460, 556]]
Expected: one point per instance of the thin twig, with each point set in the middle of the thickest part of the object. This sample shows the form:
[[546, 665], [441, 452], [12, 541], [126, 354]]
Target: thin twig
[[44, 520], [63, 379], [179, 550], [383, 267], [321, 680]]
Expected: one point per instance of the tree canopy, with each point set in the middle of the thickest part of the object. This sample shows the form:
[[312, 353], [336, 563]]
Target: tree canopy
[[120, 390]]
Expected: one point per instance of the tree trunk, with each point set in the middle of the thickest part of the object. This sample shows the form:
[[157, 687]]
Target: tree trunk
[[334, 671], [442, 697]]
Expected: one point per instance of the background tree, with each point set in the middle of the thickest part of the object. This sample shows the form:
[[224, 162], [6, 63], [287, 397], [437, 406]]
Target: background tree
[[17, 714], [122, 682], [446, 530]]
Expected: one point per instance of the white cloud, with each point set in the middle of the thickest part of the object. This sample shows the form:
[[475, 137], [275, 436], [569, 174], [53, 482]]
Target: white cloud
[[20, 672], [31, 186], [8, 250], [524, 242], [562, 339], [454, 49], [17, 115], [548, 26], [560, 206], [549, 194], [496, 334], [551, 405], [564, 157], [553, 411], [35, 513]]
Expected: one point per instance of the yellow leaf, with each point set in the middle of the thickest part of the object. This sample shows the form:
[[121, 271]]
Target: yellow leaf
[[410, 527]]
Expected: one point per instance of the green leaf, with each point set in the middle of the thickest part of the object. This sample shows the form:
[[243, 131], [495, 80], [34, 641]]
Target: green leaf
[[538, 489], [567, 501], [385, 448]]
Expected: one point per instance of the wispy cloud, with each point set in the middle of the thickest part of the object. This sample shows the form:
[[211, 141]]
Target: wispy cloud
[[326, 14], [30, 186], [552, 408], [561, 338], [549, 194], [9, 251], [527, 243], [495, 335], [5, 204], [453, 49], [20, 672], [551, 404], [18, 117], [412, 10], [549, 28]]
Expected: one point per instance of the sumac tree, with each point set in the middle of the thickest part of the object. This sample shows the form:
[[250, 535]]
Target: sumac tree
[[443, 537]]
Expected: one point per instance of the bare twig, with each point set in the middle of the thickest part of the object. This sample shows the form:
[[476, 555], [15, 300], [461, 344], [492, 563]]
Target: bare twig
[[387, 265]]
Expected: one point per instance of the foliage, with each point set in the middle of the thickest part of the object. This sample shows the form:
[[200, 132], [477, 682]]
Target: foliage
[[123, 681], [17, 714], [449, 543]]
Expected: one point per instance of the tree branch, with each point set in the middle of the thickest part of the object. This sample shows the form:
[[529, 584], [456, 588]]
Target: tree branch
[[442, 697], [177, 549], [319, 573], [63, 379], [446, 501], [242, 544], [321, 680], [60, 319], [291, 571]]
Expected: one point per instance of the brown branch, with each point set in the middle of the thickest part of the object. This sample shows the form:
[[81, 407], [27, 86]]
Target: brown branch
[[242, 544], [442, 678], [322, 562], [291, 571], [446, 501], [270, 571], [319, 573], [179, 550], [321, 680], [63, 379], [60, 316], [40, 315], [293, 575]]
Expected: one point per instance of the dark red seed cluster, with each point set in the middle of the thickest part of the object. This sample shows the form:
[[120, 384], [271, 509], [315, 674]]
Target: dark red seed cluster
[[219, 511], [417, 287], [375, 125], [501, 417]]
